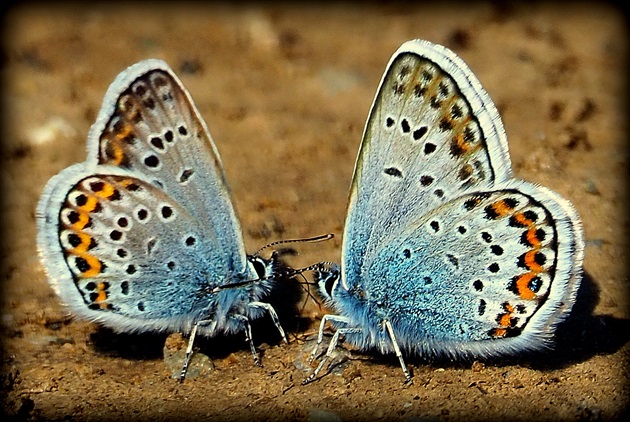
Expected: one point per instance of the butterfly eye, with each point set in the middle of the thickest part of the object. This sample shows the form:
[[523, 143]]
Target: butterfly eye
[[260, 267], [330, 283], [327, 281]]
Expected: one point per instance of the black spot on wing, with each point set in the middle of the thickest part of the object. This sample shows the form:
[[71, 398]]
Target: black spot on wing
[[393, 171]]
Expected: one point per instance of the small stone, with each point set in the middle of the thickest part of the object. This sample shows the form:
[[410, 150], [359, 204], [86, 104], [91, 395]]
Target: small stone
[[478, 366], [321, 415], [175, 355], [351, 372]]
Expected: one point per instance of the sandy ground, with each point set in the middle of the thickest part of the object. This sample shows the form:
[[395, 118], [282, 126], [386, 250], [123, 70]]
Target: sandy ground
[[286, 91]]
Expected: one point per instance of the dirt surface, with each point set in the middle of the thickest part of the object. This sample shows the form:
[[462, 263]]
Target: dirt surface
[[285, 92]]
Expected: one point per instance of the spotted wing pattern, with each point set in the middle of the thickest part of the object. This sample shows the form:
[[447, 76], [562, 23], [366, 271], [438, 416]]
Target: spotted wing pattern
[[153, 128], [441, 241], [152, 190], [432, 135]]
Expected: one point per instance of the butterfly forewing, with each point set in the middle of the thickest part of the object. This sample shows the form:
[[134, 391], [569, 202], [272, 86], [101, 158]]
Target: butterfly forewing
[[425, 142], [154, 129]]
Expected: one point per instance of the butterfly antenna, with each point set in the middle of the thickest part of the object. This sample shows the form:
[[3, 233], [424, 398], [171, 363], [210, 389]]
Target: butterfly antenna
[[320, 266], [309, 295], [304, 240], [290, 272]]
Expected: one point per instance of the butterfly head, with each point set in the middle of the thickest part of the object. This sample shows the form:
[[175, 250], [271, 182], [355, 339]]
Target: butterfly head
[[264, 268], [328, 278]]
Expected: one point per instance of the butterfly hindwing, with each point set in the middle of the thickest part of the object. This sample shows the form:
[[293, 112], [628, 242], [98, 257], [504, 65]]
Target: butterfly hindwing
[[483, 275], [133, 255]]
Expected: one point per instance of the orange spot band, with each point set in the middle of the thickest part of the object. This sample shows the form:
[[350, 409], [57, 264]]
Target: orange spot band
[[505, 320], [461, 144], [522, 285], [532, 238], [530, 261], [501, 208], [118, 153], [83, 220], [124, 132], [94, 264], [107, 191], [521, 219], [90, 205], [499, 332], [86, 239]]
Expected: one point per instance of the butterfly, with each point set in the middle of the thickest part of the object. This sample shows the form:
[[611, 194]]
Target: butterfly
[[143, 235], [445, 253]]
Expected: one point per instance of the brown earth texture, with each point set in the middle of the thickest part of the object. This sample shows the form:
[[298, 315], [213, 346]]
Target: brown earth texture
[[285, 91]]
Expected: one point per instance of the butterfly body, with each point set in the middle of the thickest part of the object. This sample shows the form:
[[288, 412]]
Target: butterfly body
[[143, 235], [445, 253]]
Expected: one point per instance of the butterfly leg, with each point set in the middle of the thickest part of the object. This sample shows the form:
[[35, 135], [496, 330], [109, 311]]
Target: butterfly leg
[[333, 342], [191, 341], [248, 337], [272, 313], [329, 352], [320, 335], [390, 331]]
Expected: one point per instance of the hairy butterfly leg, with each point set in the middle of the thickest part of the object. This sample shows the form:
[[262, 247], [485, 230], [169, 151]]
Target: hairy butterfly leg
[[272, 313], [191, 341], [333, 342], [331, 349], [248, 336], [390, 331], [320, 335]]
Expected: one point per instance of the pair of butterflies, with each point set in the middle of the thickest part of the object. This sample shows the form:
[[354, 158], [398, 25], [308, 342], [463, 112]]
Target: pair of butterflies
[[444, 252]]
